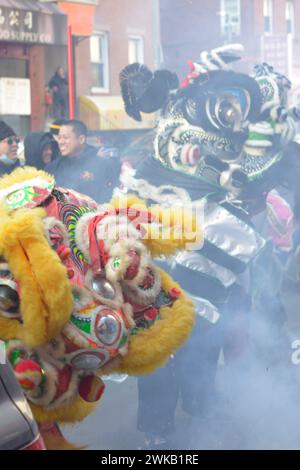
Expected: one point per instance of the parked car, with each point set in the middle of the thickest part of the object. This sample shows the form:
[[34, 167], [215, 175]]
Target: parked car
[[18, 429]]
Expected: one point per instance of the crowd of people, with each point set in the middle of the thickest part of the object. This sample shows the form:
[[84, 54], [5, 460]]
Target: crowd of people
[[65, 153]]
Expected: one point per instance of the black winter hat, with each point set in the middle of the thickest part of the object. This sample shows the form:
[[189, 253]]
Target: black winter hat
[[56, 125], [5, 131]]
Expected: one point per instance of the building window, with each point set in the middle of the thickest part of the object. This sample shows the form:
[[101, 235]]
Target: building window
[[99, 61], [290, 17], [268, 16], [135, 49], [230, 18]]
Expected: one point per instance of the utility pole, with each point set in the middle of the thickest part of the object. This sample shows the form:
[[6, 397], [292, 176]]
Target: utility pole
[[71, 72]]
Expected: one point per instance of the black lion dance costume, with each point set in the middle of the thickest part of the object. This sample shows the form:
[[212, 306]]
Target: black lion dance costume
[[226, 139]]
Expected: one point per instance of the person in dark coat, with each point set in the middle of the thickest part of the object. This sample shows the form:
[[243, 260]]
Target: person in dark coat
[[40, 149], [58, 85], [8, 149], [79, 168]]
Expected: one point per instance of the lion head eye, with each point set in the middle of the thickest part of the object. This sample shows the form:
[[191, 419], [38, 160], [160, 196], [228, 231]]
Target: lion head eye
[[9, 299]]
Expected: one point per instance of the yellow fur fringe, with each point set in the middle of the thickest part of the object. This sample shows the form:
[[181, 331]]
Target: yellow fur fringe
[[69, 414], [10, 329], [178, 229], [46, 299], [151, 348], [23, 174]]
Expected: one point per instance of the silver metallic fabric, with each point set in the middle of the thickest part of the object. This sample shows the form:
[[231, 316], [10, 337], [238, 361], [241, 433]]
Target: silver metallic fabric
[[230, 234], [206, 309], [197, 262]]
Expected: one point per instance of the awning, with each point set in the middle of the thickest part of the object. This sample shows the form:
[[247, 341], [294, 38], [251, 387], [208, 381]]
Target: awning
[[108, 113], [80, 17], [32, 22]]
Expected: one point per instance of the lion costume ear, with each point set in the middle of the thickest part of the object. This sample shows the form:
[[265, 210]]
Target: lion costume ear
[[45, 293], [180, 230], [167, 231], [144, 91]]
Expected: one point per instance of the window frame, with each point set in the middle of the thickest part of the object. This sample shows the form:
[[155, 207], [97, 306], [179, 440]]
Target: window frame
[[106, 71], [292, 18], [142, 50], [223, 15], [268, 5]]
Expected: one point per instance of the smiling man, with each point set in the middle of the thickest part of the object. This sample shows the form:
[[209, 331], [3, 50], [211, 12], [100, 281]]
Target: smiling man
[[8, 149], [79, 167]]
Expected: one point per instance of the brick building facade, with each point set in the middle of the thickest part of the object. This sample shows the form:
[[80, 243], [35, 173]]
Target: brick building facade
[[32, 40], [118, 20], [123, 32], [268, 29], [106, 36]]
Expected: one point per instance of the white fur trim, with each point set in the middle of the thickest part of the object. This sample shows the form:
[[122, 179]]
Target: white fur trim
[[50, 223], [120, 249], [50, 386], [110, 229], [143, 297], [58, 351], [128, 312], [70, 394], [81, 233], [166, 195]]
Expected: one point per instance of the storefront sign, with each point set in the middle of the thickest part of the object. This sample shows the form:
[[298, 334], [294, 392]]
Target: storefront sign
[[31, 27], [15, 96]]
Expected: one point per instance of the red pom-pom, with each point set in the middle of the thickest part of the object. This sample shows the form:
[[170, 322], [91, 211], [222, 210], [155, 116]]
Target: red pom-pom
[[151, 314], [29, 374], [174, 293]]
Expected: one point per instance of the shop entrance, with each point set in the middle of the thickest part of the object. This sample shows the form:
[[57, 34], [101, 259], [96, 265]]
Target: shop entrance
[[14, 63]]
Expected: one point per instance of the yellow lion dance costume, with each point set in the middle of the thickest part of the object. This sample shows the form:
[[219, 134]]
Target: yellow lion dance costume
[[80, 296]]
